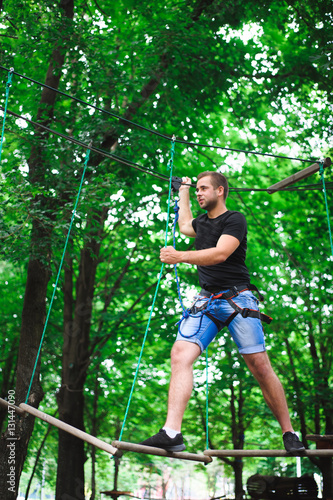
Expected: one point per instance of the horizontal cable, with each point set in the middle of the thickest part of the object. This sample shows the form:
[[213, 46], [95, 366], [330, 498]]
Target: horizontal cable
[[136, 166], [97, 108], [89, 146], [167, 137], [304, 187], [195, 144]]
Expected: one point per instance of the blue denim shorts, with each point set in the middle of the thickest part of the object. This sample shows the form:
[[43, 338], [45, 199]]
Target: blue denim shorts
[[247, 333]]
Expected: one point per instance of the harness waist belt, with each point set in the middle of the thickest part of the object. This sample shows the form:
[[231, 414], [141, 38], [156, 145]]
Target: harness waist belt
[[233, 292], [239, 286]]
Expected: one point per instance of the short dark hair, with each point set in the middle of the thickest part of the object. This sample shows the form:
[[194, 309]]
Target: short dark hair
[[217, 180]]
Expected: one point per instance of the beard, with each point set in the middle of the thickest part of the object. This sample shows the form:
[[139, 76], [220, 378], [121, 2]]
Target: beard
[[209, 205]]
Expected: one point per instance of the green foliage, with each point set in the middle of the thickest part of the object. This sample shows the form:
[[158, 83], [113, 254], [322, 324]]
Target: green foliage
[[253, 77]]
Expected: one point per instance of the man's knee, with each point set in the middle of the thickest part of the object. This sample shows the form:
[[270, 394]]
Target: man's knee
[[184, 353], [259, 365]]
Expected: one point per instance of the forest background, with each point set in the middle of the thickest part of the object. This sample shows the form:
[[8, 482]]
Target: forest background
[[237, 77]]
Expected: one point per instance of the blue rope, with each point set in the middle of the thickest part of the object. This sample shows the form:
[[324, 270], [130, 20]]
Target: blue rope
[[207, 394], [58, 275], [176, 209], [8, 85], [170, 166], [321, 171], [186, 314]]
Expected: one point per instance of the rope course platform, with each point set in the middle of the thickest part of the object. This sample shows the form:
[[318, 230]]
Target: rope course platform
[[302, 174], [267, 453], [6, 404], [150, 450]]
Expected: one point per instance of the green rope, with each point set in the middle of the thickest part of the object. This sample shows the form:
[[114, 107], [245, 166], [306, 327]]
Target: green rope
[[207, 392], [321, 171], [8, 85], [60, 267], [170, 166]]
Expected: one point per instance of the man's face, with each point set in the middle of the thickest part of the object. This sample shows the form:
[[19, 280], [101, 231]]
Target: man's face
[[207, 196]]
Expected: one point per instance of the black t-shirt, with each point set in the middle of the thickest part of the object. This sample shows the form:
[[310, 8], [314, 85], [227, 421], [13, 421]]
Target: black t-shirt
[[208, 231]]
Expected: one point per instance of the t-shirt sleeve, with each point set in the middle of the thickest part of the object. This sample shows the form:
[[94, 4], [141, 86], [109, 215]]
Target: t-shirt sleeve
[[194, 224], [236, 226]]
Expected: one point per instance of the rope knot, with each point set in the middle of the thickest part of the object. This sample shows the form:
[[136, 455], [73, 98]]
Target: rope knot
[[185, 315]]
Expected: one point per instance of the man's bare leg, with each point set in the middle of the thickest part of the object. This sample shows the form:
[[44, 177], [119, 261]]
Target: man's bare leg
[[271, 387], [183, 355]]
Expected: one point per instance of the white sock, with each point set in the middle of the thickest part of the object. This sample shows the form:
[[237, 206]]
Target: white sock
[[170, 432]]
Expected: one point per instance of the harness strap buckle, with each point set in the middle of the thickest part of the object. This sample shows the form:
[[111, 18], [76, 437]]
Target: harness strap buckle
[[245, 312]]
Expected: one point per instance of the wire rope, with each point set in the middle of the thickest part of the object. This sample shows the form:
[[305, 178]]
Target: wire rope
[[155, 132], [140, 167], [90, 146], [258, 153], [97, 108]]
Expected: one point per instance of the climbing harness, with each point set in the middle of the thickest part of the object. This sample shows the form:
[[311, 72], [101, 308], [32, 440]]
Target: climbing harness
[[228, 295], [223, 295], [245, 312]]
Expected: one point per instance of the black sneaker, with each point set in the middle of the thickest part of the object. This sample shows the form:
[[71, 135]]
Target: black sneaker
[[292, 444], [162, 440]]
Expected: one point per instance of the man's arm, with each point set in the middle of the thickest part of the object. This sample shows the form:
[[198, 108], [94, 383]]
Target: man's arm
[[225, 246], [185, 214]]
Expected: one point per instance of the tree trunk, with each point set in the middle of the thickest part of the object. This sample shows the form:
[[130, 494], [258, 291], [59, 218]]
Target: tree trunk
[[238, 471], [39, 452], [14, 442], [8, 376], [71, 454], [326, 467]]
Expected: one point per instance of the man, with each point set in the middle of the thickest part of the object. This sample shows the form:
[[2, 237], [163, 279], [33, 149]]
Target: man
[[220, 242]]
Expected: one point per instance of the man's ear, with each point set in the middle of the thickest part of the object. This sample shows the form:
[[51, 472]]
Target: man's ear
[[220, 191]]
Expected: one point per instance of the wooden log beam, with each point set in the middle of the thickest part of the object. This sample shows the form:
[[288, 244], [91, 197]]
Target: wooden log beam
[[5, 404], [70, 429], [322, 441], [266, 453], [319, 437], [302, 174], [150, 450]]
